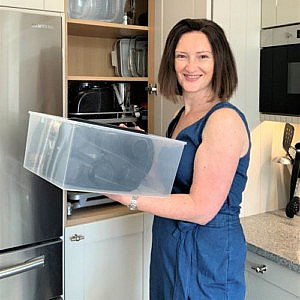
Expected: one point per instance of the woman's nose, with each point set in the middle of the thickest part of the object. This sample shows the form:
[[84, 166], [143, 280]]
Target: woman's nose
[[191, 64]]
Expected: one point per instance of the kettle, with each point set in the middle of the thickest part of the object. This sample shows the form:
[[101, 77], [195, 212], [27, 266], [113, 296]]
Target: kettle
[[293, 206]]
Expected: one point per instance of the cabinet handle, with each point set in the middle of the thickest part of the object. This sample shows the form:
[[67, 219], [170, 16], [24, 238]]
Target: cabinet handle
[[76, 237], [151, 89], [260, 269]]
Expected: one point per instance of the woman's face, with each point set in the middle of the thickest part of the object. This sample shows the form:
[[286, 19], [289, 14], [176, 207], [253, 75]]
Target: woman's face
[[194, 63]]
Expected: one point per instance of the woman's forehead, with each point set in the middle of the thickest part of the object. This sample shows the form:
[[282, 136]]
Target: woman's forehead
[[194, 41]]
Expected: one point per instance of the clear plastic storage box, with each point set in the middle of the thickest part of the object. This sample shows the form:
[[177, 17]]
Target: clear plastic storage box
[[101, 10], [79, 156]]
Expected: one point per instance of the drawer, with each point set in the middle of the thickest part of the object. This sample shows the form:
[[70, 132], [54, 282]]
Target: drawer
[[277, 275]]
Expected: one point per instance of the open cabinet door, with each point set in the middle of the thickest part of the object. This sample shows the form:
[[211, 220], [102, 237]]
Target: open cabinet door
[[167, 13]]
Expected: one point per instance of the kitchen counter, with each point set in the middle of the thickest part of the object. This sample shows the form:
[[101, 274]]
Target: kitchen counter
[[274, 236]]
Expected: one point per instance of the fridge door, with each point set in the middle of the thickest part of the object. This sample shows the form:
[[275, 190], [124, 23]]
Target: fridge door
[[33, 273], [30, 79]]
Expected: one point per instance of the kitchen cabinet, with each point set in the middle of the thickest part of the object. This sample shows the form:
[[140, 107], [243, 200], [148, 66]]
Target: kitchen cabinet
[[279, 12], [109, 258], [268, 280], [89, 46], [106, 259], [31, 4], [51, 5], [54, 5]]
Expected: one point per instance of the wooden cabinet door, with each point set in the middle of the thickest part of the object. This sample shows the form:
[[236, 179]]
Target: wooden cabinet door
[[104, 259], [35, 4], [167, 14]]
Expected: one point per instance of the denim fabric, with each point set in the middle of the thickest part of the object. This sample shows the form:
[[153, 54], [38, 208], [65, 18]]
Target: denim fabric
[[195, 262]]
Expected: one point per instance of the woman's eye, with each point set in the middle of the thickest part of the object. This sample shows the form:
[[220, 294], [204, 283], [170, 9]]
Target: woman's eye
[[180, 56], [203, 56]]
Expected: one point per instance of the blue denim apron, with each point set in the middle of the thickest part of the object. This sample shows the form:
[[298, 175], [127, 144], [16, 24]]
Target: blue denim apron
[[191, 261]]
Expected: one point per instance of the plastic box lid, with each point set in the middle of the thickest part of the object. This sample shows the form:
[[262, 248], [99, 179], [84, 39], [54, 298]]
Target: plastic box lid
[[86, 157]]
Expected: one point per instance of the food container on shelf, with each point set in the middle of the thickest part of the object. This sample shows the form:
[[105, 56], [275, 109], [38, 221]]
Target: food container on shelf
[[101, 10], [89, 157], [129, 57]]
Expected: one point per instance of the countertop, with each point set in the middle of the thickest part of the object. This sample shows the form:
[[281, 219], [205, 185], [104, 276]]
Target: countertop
[[275, 237]]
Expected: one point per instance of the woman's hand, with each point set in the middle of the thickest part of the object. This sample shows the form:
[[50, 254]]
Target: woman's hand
[[135, 127]]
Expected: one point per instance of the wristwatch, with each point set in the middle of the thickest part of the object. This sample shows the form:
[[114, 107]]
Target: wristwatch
[[133, 203]]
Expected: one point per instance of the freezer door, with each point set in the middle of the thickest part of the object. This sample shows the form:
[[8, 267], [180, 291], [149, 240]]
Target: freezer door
[[30, 79], [32, 273]]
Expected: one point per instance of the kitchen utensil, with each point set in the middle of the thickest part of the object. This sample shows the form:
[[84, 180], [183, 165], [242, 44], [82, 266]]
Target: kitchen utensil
[[292, 207], [288, 135]]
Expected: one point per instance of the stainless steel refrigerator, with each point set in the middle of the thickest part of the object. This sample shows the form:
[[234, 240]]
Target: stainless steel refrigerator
[[30, 208]]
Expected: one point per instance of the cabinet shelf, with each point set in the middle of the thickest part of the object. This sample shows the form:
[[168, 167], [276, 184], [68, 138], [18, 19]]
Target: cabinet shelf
[[106, 78], [97, 213], [93, 28]]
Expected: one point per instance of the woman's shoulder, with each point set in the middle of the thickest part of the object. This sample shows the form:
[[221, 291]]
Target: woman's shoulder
[[227, 123], [226, 111]]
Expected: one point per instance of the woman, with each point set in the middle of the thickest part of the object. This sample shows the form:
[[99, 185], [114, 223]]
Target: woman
[[198, 246]]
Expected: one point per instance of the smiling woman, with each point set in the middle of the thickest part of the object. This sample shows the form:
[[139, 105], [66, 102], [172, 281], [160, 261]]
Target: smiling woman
[[198, 245]]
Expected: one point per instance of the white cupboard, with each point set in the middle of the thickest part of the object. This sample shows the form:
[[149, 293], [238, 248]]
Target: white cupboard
[[279, 12], [268, 280], [51, 5], [54, 5], [31, 4], [107, 259]]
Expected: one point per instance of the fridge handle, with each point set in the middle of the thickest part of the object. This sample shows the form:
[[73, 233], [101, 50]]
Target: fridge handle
[[28, 265]]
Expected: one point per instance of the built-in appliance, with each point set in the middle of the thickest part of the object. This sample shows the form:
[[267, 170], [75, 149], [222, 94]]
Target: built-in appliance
[[280, 71], [30, 208]]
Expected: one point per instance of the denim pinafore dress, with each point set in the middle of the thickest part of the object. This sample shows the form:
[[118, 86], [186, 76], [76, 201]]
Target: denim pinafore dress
[[200, 262]]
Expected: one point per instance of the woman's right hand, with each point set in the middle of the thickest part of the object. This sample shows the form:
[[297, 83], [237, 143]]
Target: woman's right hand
[[135, 127]]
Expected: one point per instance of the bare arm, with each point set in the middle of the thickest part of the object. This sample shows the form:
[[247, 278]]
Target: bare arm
[[224, 141]]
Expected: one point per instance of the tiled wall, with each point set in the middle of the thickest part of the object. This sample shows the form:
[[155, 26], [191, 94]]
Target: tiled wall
[[268, 183]]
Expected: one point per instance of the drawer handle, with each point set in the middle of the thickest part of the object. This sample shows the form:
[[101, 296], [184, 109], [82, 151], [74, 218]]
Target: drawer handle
[[76, 237], [260, 269], [28, 265]]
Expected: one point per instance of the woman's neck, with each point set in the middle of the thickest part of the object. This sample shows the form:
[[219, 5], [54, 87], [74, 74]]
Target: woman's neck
[[195, 103]]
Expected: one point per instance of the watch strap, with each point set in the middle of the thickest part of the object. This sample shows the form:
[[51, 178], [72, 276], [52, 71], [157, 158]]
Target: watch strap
[[133, 203]]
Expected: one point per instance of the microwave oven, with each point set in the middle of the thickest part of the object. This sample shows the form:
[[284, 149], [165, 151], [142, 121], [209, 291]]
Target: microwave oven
[[280, 71]]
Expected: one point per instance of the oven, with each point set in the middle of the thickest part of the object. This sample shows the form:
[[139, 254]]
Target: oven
[[280, 71]]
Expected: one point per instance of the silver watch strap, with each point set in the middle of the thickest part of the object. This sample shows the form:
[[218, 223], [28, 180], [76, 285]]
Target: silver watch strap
[[133, 203]]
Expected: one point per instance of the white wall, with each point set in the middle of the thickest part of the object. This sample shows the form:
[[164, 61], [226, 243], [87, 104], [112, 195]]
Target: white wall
[[268, 182]]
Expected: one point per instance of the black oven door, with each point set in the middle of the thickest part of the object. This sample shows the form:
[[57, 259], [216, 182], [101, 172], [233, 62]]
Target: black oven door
[[280, 80]]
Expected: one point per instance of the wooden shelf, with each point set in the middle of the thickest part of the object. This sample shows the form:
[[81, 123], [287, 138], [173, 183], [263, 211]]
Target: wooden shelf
[[97, 213], [106, 78], [92, 28]]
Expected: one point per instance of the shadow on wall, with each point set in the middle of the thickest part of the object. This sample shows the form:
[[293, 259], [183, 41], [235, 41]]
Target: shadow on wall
[[268, 182]]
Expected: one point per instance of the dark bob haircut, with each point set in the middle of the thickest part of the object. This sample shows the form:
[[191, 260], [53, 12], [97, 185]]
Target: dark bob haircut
[[224, 80]]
